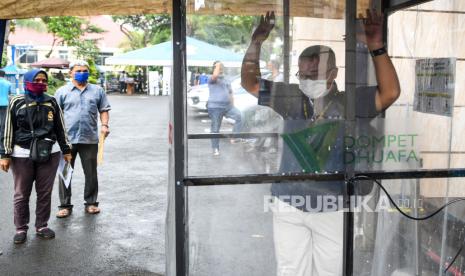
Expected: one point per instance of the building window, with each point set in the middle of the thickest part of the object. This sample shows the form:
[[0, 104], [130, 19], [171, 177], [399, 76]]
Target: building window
[[63, 54], [101, 58], [28, 56]]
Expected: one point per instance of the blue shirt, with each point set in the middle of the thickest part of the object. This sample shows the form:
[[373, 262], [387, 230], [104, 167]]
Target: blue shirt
[[219, 93], [81, 110], [5, 91], [203, 79]]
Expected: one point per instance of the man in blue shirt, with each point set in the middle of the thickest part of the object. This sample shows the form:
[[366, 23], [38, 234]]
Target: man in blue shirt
[[82, 103], [5, 91]]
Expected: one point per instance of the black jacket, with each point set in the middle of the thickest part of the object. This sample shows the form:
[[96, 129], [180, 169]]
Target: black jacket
[[47, 119]]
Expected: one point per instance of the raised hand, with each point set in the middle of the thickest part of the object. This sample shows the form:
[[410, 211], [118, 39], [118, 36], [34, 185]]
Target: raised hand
[[263, 30], [373, 26]]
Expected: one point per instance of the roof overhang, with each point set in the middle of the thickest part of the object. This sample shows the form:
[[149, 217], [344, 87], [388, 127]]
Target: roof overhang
[[11, 9]]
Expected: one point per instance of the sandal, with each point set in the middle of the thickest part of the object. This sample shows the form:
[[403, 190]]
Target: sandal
[[63, 213], [92, 209], [20, 237], [45, 233]]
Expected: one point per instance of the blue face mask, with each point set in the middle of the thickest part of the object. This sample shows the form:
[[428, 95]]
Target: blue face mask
[[81, 77]]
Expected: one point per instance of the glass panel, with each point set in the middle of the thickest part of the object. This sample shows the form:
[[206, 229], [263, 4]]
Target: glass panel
[[387, 243], [267, 230], [229, 232], [431, 105], [248, 229], [280, 108], [442, 5]]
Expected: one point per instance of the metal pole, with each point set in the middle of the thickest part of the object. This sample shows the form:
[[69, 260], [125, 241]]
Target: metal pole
[[286, 46], [350, 85], [178, 109], [2, 37]]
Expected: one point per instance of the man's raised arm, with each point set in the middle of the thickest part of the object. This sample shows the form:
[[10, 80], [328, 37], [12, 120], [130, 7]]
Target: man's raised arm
[[386, 76], [250, 70]]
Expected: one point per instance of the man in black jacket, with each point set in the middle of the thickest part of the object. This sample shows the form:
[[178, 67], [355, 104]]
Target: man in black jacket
[[42, 112]]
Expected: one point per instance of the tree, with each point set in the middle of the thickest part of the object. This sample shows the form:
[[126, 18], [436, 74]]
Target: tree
[[144, 30], [225, 31], [4, 59], [69, 30], [231, 31], [87, 49], [10, 29]]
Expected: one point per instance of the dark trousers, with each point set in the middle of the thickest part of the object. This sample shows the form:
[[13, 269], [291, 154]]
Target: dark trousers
[[122, 87], [25, 172], [2, 118], [88, 155]]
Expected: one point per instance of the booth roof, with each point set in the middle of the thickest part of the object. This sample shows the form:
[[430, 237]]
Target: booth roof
[[10, 9]]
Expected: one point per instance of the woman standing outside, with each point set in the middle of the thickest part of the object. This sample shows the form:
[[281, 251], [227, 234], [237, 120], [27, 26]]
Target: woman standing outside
[[33, 136]]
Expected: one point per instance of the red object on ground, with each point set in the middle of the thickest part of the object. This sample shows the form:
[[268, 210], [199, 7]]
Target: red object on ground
[[437, 259]]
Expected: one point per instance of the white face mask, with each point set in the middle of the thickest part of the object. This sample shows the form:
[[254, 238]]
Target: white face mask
[[314, 88]]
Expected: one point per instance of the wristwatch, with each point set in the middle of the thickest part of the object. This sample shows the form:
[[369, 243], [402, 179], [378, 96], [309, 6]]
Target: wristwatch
[[105, 125], [378, 52]]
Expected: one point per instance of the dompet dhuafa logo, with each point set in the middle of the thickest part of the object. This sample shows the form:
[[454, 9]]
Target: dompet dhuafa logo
[[387, 148], [313, 147]]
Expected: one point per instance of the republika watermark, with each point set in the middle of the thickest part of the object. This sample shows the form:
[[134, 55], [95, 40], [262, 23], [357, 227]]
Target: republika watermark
[[333, 203]]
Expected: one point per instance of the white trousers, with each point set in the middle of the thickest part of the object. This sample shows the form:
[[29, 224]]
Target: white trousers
[[307, 244]]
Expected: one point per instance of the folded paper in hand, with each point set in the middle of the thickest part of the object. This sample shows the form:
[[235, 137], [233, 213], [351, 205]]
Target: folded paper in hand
[[65, 172]]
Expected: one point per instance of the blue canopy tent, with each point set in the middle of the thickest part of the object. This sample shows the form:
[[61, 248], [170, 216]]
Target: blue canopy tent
[[15, 75], [199, 53]]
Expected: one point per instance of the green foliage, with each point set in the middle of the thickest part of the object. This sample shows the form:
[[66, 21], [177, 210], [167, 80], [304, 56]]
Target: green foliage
[[145, 29], [4, 59], [230, 31], [54, 84], [225, 31], [87, 49], [34, 24], [69, 30], [93, 72], [66, 28]]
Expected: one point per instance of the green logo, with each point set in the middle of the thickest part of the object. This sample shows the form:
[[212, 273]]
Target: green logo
[[311, 146]]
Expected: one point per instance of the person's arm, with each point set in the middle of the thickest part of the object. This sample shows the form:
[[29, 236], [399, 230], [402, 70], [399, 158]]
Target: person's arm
[[386, 76], [250, 70], [6, 138], [231, 95], [216, 73], [60, 131], [59, 99], [105, 119], [104, 108]]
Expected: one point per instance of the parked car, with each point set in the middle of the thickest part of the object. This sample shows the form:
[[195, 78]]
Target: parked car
[[112, 85], [197, 96]]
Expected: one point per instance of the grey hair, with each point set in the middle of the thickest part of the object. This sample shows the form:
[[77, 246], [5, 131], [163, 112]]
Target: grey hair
[[78, 63]]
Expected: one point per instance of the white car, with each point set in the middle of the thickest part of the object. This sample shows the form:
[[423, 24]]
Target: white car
[[197, 96]]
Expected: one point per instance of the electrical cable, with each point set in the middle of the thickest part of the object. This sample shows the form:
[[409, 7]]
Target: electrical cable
[[453, 260], [365, 177]]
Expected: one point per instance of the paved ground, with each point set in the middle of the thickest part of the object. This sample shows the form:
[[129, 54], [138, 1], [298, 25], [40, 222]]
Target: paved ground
[[127, 238], [229, 234]]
